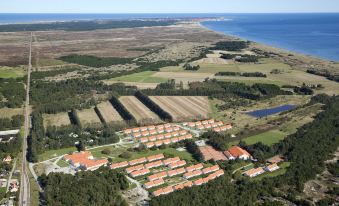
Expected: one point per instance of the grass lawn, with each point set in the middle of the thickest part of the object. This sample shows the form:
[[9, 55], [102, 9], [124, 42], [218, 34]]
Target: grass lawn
[[11, 72], [268, 138], [54, 153], [144, 77], [134, 155], [62, 163], [283, 167]]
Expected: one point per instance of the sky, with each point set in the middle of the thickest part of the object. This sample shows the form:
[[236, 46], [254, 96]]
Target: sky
[[167, 6]]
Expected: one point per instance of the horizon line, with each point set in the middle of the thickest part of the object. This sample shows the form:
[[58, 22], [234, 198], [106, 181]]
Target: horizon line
[[302, 12]]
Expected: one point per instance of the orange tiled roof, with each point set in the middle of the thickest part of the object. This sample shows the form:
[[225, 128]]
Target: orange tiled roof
[[238, 151], [171, 160]]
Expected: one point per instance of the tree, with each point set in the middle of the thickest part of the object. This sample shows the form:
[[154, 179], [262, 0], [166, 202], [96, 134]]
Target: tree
[[81, 146]]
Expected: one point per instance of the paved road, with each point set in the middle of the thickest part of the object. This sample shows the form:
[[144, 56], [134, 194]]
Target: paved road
[[24, 198]]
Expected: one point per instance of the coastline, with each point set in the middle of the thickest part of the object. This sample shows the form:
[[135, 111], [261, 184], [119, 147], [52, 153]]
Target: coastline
[[295, 59], [284, 50]]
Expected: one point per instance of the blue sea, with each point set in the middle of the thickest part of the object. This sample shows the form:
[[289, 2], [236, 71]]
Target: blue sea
[[312, 34]]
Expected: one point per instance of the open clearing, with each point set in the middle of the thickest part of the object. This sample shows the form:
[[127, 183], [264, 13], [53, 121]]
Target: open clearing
[[185, 77], [10, 112], [141, 113], [184, 107], [58, 120], [88, 117], [268, 138], [109, 113], [11, 72], [144, 77]]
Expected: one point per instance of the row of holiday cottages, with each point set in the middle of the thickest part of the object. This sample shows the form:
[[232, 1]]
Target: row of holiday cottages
[[168, 141], [260, 170], [188, 173], [209, 124], [198, 182], [150, 130], [163, 136]]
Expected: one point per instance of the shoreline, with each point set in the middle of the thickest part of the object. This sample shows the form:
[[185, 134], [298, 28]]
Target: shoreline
[[284, 50]]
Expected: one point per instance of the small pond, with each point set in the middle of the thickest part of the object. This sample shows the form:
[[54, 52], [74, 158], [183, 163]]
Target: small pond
[[266, 112]]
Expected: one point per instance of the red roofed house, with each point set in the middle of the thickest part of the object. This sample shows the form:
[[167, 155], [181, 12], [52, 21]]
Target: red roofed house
[[171, 160], [85, 159], [254, 172], [155, 157], [140, 172], [236, 152], [272, 167], [119, 165]]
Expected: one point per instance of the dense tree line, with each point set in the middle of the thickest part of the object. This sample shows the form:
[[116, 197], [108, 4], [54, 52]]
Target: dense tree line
[[192, 148], [303, 90], [75, 118], [13, 91], [214, 88], [191, 68], [245, 74], [10, 148], [15, 122], [93, 61], [218, 140], [100, 187], [35, 140], [153, 106], [51, 73], [324, 73], [231, 45], [62, 96], [307, 150], [121, 109], [83, 25], [246, 58]]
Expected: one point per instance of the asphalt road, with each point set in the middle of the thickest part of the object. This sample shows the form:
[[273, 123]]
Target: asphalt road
[[24, 198]]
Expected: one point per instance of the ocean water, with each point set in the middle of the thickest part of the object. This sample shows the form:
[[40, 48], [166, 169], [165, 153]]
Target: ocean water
[[311, 34], [266, 112]]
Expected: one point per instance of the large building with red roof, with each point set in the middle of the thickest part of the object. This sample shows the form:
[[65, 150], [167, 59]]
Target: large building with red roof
[[236, 152]]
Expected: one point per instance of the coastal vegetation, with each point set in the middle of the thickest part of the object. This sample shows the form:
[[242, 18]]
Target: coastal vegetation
[[83, 25], [231, 45]]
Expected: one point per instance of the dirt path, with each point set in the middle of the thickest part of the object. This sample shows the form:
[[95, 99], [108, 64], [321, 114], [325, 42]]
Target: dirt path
[[137, 195]]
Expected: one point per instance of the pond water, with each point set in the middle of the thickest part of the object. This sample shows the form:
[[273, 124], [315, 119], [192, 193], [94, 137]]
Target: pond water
[[266, 112]]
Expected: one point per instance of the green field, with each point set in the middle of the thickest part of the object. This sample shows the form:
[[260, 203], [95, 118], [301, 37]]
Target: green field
[[268, 138], [55, 153], [143, 77], [134, 155], [62, 163], [11, 72]]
